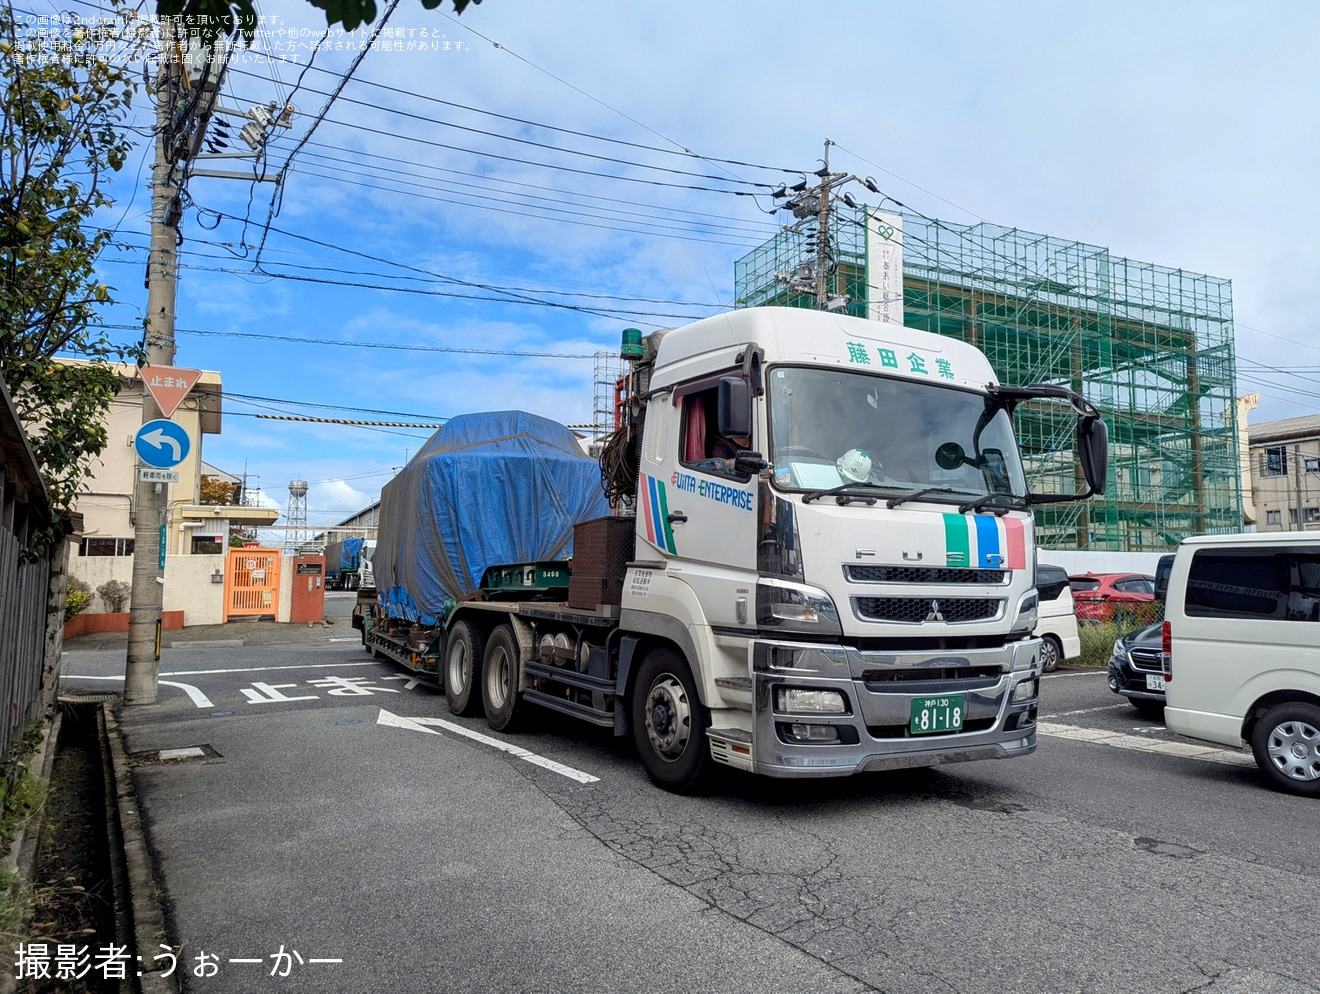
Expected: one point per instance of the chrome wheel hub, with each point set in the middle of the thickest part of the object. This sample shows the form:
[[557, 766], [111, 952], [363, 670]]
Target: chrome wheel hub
[[668, 717]]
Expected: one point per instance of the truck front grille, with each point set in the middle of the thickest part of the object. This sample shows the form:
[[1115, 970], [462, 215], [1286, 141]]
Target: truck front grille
[[916, 610], [922, 574]]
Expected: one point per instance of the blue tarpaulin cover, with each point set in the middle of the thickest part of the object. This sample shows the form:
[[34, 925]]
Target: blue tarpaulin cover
[[485, 490], [343, 555]]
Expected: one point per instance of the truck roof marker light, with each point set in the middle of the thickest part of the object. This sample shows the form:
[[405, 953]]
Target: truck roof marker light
[[632, 344]]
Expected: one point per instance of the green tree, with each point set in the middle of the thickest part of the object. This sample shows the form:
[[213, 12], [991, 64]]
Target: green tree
[[214, 17], [63, 106]]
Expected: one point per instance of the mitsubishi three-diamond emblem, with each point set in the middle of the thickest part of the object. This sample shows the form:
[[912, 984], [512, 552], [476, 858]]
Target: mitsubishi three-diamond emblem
[[934, 612]]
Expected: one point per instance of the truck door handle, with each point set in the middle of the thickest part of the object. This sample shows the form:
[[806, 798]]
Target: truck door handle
[[678, 516]]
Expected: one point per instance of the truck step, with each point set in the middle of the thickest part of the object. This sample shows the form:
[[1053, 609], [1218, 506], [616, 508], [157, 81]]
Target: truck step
[[732, 747], [582, 711], [570, 678]]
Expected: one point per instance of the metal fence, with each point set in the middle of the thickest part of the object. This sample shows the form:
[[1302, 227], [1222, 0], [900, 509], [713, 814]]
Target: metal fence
[[23, 592], [24, 586]]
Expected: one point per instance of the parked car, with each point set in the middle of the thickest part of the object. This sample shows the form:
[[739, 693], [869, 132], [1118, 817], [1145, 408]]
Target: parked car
[[1240, 660], [1113, 596], [1055, 621], [1136, 669], [1136, 664]]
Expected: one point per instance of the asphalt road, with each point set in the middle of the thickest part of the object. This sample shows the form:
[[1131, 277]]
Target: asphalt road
[[359, 821]]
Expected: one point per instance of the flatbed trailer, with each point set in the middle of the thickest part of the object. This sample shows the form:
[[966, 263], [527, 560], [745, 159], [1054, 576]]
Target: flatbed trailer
[[569, 655]]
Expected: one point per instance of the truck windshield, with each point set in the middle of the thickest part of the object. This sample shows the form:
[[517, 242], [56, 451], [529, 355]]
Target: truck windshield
[[830, 428]]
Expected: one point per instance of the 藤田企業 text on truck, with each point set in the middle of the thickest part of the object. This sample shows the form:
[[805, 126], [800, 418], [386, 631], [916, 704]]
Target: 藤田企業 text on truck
[[807, 550]]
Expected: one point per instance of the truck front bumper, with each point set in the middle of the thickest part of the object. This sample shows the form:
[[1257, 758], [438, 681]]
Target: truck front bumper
[[999, 690]]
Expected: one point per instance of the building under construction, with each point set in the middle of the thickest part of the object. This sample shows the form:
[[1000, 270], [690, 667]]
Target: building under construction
[[1152, 347]]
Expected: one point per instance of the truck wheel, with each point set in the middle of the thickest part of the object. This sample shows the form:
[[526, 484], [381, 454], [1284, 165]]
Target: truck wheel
[[1286, 744], [463, 667], [499, 680], [1050, 654], [669, 723]]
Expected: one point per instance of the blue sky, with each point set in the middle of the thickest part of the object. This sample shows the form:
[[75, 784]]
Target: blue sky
[[1183, 134]]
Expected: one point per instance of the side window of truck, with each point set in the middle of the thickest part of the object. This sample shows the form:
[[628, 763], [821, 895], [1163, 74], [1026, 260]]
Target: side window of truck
[[701, 446], [1265, 584]]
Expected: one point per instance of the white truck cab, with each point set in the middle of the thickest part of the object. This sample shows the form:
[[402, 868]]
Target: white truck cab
[[834, 529]]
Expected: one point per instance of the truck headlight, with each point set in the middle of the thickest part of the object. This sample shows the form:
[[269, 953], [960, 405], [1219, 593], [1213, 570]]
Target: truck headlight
[[797, 700], [795, 607]]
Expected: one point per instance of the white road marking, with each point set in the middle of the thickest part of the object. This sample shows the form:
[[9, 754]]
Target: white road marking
[[1065, 676], [518, 752], [1139, 743], [1107, 707], [266, 669], [397, 721], [208, 644], [412, 680], [197, 697]]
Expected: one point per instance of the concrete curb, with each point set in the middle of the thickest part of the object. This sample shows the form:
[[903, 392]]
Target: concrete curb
[[137, 908]]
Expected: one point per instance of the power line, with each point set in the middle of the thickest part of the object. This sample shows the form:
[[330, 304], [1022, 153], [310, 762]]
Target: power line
[[378, 107], [391, 346], [551, 127], [277, 199]]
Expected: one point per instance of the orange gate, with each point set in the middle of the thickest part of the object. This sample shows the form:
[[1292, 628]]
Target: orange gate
[[252, 582]]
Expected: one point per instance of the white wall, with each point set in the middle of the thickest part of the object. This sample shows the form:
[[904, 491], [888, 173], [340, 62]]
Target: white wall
[[1085, 561], [96, 570], [188, 588], [285, 609]]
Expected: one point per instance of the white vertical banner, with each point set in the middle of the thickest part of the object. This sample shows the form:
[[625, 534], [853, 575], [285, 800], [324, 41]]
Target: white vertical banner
[[884, 267]]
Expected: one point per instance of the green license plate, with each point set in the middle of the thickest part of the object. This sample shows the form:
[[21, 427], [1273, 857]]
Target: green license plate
[[931, 715]]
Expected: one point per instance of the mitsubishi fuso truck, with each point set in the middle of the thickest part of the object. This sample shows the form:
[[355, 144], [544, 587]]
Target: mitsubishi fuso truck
[[807, 550]]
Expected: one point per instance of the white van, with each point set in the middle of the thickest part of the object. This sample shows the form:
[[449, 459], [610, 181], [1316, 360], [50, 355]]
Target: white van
[[1242, 650], [1056, 623]]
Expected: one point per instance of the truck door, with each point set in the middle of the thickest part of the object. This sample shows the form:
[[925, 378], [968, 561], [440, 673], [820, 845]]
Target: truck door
[[697, 510]]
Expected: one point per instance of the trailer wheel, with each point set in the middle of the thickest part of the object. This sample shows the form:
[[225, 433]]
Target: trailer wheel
[[499, 680], [463, 667], [669, 723]]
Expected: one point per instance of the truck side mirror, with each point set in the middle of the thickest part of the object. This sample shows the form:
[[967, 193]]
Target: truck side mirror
[[735, 407], [1093, 451]]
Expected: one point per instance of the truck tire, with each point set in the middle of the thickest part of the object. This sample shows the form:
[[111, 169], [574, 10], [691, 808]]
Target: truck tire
[[670, 722], [462, 674], [1286, 744], [499, 680]]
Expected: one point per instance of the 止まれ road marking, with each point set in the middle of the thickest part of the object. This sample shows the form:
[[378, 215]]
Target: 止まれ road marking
[[518, 752], [1140, 743]]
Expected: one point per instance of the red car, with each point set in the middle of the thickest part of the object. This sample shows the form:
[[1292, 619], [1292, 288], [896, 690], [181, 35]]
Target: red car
[[1105, 596]]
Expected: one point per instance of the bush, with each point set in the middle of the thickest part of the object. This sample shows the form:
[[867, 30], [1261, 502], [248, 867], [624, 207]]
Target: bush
[[114, 594], [1097, 641], [76, 599]]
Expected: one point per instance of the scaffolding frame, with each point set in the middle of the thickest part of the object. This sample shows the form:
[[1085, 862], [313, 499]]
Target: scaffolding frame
[[1150, 346]]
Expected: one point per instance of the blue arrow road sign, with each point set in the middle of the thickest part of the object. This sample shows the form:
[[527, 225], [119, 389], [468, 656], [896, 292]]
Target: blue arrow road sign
[[162, 444]]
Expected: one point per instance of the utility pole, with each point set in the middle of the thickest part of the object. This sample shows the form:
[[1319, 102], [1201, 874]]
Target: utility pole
[[814, 201], [187, 86], [823, 234], [142, 669]]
